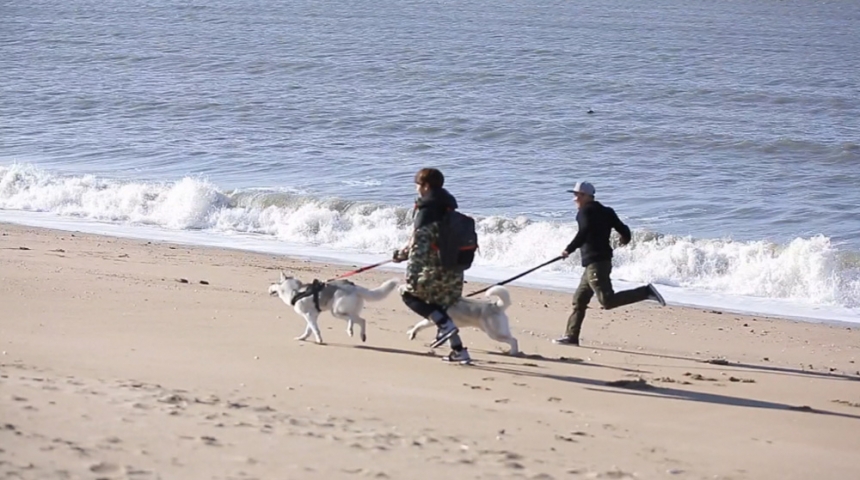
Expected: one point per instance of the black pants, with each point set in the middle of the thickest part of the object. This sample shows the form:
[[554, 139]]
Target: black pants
[[434, 312], [595, 279]]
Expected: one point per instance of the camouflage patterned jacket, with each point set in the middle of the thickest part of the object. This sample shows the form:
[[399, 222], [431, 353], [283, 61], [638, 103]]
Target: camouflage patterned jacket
[[425, 276]]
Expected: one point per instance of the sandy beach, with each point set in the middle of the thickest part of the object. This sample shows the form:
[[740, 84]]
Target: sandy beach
[[133, 359]]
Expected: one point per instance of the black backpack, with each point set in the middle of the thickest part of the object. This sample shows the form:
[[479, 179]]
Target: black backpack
[[458, 241]]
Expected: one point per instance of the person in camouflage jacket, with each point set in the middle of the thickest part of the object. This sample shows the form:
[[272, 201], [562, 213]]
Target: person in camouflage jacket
[[425, 276], [431, 288]]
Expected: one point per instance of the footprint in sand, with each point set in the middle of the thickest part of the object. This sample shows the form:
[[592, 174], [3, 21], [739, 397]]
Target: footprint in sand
[[365, 472], [136, 472], [699, 377], [173, 399], [672, 380], [475, 387], [104, 467], [614, 474], [210, 400], [638, 384], [741, 380]]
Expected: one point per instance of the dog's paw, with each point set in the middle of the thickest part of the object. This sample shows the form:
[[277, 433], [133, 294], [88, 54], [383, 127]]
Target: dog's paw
[[363, 337], [411, 335]]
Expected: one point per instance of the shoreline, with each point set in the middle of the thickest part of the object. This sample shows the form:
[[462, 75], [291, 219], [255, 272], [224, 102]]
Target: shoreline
[[540, 280], [113, 367]]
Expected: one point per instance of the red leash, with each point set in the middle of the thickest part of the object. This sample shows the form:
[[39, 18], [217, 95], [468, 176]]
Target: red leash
[[362, 269]]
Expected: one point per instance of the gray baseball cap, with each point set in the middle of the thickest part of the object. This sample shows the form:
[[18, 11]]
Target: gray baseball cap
[[583, 187]]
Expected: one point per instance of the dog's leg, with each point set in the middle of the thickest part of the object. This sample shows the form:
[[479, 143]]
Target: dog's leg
[[425, 323], [362, 327], [509, 339], [515, 347], [312, 323], [307, 332], [349, 321]]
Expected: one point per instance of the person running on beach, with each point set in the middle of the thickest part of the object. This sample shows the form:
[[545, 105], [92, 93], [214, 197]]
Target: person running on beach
[[431, 288], [596, 223]]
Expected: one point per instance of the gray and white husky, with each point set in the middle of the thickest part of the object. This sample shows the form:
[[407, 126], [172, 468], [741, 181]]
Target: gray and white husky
[[487, 315], [342, 298]]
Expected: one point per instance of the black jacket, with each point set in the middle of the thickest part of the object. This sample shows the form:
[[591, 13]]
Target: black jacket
[[432, 207], [596, 222]]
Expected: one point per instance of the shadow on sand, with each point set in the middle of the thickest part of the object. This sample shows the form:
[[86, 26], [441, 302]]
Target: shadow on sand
[[647, 390], [638, 388], [746, 366]]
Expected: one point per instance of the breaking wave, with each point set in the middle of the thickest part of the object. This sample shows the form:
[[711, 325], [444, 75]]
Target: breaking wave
[[811, 270]]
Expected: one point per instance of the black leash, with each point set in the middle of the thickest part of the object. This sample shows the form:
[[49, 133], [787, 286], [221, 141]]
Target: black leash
[[516, 277]]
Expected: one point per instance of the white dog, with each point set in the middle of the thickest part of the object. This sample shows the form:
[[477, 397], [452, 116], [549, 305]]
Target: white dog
[[486, 315], [342, 298]]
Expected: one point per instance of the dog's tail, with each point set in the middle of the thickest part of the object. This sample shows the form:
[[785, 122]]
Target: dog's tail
[[379, 292], [500, 292]]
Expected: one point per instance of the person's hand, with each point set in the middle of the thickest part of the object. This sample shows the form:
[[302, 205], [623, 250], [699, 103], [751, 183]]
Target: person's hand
[[624, 241], [398, 256], [564, 254]]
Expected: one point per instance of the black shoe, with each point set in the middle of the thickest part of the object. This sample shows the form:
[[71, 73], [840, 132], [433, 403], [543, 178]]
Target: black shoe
[[655, 295], [566, 340]]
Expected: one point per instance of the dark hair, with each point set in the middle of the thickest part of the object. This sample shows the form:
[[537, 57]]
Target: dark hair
[[431, 177]]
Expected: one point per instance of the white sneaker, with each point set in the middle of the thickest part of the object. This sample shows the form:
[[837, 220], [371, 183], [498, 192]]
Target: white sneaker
[[462, 357]]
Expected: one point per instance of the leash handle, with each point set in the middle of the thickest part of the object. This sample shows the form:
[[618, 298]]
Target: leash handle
[[362, 269], [516, 277]]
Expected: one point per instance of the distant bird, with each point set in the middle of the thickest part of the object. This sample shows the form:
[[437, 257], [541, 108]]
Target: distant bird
[[590, 111]]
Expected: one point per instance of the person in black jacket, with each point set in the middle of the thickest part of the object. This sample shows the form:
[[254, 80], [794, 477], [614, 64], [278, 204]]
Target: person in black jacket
[[596, 223]]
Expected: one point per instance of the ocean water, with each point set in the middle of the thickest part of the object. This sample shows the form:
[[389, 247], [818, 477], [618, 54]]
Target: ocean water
[[726, 134]]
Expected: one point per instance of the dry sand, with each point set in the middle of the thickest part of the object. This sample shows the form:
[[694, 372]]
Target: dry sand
[[113, 368]]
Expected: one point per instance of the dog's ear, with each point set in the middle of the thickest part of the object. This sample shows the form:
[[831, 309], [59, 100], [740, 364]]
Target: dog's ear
[[283, 277]]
